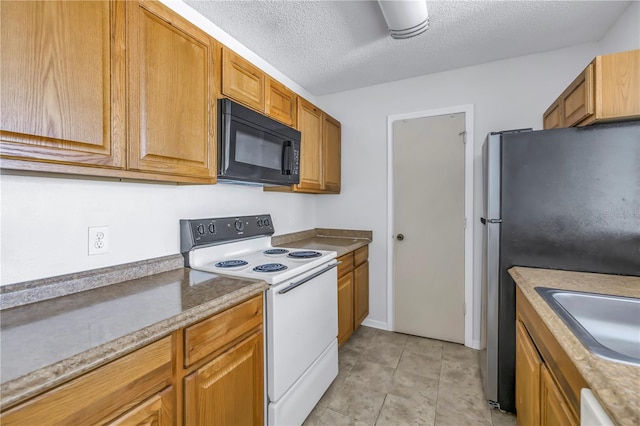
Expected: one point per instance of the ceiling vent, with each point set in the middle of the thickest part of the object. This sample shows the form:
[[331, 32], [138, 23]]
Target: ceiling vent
[[405, 18]]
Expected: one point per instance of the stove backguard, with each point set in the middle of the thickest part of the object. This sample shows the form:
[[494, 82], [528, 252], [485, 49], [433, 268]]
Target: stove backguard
[[198, 233]]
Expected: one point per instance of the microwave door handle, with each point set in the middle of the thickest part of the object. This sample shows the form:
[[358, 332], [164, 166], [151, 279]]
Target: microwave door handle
[[287, 157]]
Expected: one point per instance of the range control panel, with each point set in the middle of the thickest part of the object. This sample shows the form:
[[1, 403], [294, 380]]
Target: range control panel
[[207, 232]]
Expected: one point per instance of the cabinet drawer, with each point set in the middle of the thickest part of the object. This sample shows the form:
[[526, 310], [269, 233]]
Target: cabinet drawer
[[101, 394], [347, 264], [361, 255], [212, 334]]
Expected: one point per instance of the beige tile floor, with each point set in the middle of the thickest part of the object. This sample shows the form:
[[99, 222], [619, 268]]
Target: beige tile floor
[[388, 378]]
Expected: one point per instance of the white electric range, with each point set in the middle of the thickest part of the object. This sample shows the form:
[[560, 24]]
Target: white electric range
[[301, 313]]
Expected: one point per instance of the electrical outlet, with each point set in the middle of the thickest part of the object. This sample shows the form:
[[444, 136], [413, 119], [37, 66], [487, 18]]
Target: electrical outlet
[[98, 240]]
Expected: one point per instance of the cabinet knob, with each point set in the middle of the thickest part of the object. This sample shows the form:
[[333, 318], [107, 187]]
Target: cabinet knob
[[400, 237]]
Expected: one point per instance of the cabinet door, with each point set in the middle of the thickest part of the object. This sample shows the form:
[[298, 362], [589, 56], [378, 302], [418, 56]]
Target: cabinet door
[[63, 82], [280, 103], [229, 389], [578, 100], [360, 294], [552, 118], [171, 93], [331, 154], [242, 81], [528, 364], [310, 125], [554, 409], [155, 411], [345, 307]]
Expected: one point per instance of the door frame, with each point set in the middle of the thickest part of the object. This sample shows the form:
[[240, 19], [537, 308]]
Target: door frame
[[472, 304]]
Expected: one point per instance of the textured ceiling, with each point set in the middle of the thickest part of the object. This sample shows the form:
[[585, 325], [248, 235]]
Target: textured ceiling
[[331, 46]]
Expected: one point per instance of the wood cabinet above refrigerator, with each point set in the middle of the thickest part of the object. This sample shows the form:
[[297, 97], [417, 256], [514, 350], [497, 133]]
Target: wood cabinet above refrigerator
[[608, 89]]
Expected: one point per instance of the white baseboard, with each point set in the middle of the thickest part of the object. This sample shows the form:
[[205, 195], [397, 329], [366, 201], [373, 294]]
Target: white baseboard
[[382, 325], [475, 344]]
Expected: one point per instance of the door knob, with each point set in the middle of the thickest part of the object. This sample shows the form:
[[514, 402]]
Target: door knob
[[400, 237]]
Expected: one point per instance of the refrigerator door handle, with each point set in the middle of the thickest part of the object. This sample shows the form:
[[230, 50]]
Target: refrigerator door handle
[[485, 221]]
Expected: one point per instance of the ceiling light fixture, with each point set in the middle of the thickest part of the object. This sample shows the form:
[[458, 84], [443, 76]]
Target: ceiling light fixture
[[405, 18]]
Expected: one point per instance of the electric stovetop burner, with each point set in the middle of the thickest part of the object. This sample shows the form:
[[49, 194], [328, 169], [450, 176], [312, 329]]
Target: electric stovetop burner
[[270, 267], [304, 254], [234, 263], [275, 251]]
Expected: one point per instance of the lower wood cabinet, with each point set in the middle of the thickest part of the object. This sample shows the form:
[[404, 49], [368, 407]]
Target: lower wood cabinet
[[360, 294], [157, 411], [353, 292], [547, 383], [554, 410], [105, 393], [528, 364], [221, 384], [229, 389], [345, 307]]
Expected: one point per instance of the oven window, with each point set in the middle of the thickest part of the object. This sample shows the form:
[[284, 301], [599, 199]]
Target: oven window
[[258, 148]]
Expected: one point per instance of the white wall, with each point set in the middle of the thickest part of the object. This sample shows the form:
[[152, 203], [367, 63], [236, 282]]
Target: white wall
[[506, 94], [45, 219], [624, 34]]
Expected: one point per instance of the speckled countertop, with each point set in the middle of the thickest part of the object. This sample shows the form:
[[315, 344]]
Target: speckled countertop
[[615, 385], [46, 343], [342, 241]]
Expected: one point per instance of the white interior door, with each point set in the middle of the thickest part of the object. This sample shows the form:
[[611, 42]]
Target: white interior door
[[429, 222]]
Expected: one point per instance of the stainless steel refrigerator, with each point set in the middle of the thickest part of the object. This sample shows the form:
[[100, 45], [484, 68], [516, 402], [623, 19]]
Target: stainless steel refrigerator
[[558, 199]]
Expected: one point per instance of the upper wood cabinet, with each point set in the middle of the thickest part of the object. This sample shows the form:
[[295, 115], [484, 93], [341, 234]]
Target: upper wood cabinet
[[310, 124], [331, 157], [245, 83], [280, 102], [242, 81], [74, 100], [608, 89], [320, 156], [171, 93], [62, 85]]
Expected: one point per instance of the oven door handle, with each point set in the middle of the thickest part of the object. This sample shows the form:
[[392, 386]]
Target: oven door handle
[[288, 288]]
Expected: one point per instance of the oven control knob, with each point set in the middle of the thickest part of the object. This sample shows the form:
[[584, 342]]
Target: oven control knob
[[239, 225], [200, 229], [266, 222], [260, 223], [212, 228]]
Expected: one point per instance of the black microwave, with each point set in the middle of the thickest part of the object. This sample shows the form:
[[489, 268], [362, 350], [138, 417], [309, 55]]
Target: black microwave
[[254, 149]]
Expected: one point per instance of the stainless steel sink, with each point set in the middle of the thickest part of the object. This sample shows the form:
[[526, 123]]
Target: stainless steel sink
[[608, 326]]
